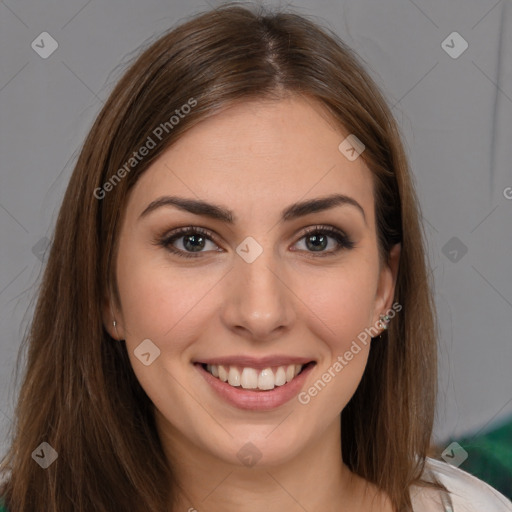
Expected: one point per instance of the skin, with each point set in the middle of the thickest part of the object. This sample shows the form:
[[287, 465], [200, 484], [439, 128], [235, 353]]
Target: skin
[[254, 158]]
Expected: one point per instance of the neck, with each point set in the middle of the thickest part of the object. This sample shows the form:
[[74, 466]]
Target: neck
[[314, 479]]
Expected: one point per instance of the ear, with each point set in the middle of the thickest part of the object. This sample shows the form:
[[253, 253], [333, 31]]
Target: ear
[[387, 283], [110, 314]]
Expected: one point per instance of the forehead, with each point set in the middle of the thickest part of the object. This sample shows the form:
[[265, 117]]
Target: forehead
[[259, 156]]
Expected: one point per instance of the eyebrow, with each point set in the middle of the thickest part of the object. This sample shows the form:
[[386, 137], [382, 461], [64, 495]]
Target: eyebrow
[[294, 211]]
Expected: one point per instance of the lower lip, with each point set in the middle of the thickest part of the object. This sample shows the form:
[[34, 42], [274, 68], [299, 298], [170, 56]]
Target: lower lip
[[256, 400]]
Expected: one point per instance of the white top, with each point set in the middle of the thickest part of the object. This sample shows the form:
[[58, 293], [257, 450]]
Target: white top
[[466, 492]]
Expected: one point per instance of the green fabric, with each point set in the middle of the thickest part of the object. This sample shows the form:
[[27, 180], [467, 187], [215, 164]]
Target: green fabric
[[490, 457]]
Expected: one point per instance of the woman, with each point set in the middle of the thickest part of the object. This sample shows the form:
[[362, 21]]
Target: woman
[[235, 313]]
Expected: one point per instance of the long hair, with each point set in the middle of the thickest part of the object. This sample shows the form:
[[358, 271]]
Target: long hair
[[79, 393]]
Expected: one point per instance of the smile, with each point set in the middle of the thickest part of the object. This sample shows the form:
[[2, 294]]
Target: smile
[[256, 384], [251, 378]]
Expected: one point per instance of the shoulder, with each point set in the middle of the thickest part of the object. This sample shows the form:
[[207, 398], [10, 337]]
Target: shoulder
[[466, 492]]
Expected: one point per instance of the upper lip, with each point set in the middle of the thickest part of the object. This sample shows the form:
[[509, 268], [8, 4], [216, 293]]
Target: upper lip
[[255, 362]]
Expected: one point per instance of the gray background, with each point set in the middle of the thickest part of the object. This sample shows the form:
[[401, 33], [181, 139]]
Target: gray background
[[455, 114]]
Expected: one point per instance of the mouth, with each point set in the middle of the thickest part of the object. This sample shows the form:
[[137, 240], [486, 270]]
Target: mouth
[[248, 378], [256, 385]]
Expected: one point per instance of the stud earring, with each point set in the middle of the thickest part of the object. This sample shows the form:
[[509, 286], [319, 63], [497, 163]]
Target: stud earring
[[114, 323], [384, 321], [384, 324]]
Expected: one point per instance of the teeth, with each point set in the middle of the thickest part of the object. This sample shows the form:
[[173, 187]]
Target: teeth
[[290, 372], [280, 376], [249, 378], [266, 379], [223, 374], [233, 377]]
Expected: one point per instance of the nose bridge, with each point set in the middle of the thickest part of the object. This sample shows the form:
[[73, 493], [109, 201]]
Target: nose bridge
[[259, 301]]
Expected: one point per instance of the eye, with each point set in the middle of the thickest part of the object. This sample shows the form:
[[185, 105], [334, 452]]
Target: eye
[[316, 239], [194, 239]]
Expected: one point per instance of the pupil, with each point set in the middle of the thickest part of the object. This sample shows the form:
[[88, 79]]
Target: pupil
[[194, 246], [318, 242]]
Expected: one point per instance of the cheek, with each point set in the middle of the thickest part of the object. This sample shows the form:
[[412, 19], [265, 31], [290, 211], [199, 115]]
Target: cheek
[[340, 303], [158, 301], [346, 348], [339, 309]]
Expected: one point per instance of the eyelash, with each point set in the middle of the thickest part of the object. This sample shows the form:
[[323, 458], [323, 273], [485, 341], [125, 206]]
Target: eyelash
[[166, 241]]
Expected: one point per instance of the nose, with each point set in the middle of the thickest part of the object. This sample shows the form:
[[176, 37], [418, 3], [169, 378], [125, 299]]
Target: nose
[[258, 303]]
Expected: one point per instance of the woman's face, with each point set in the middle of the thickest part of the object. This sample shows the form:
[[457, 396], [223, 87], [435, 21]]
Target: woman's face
[[275, 280]]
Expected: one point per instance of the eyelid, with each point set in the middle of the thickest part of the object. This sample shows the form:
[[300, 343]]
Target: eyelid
[[165, 240], [342, 238], [167, 237]]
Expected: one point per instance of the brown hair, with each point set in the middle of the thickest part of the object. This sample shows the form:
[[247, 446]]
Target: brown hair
[[79, 391]]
